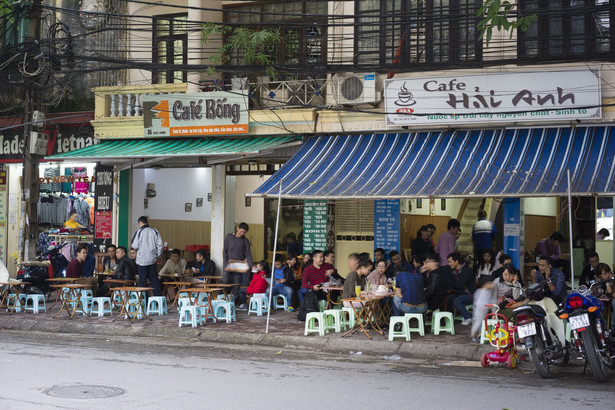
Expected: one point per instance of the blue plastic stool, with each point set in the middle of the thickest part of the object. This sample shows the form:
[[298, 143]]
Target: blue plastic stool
[[258, 304], [277, 305], [188, 315], [101, 304], [223, 310], [33, 303], [157, 304]]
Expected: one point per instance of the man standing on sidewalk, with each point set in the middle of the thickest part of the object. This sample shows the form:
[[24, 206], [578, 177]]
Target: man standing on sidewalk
[[237, 248], [148, 244]]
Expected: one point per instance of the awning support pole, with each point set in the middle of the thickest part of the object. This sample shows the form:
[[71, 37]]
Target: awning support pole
[[275, 249], [570, 233]]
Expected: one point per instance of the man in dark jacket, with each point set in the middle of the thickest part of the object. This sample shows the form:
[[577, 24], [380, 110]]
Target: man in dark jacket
[[435, 282], [282, 281], [237, 248], [125, 267], [461, 286]]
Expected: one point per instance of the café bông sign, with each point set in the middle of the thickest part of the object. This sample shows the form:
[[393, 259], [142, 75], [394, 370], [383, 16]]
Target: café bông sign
[[195, 114], [499, 97]]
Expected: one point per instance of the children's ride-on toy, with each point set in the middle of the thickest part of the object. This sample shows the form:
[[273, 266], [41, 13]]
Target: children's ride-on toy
[[502, 337]]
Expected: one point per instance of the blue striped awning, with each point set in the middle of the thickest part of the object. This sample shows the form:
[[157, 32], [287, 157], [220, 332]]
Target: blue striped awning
[[497, 163]]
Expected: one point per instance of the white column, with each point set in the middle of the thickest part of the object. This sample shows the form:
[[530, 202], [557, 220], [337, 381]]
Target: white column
[[195, 45], [217, 215]]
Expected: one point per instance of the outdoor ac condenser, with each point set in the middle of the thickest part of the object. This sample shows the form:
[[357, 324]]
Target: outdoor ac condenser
[[353, 88]]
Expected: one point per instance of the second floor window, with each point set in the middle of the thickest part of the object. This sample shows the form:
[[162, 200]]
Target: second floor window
[[567, 29], [170, 47], [302, 25], [412, 32]]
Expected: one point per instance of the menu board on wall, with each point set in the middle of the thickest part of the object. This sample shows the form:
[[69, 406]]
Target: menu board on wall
[[102, 226], [314, 225], [387, 224], [3, 209], [103, 207]]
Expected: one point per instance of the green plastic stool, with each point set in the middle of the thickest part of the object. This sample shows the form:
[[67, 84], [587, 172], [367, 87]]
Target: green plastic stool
[[322, 305], [334, 320], [449, 325], [315, 323], [351, 316], [568, 332], [420, 327], [431, 322], [399, 333]]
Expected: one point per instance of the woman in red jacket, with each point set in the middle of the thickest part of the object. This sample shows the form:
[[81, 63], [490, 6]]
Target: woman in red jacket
[[257, 285]]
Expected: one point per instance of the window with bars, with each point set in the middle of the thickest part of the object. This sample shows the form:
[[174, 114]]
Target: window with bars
[[354, 217], [567, 29], [302, 25], [416, 31], [170, 48]]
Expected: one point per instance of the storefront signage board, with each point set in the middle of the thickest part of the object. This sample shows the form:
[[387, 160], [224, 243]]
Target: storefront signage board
[[195, 114], [314, 226], [3, 213], [387, 225], [499, 97], [61, 138], [103, 207]]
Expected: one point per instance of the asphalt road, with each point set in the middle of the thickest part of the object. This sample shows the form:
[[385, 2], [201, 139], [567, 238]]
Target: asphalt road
[[158, 374]]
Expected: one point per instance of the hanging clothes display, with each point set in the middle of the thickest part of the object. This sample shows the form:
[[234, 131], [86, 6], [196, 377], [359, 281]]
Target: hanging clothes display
[[67, 187], [53, 209], [80, 187], [82, 207], [50, 173]]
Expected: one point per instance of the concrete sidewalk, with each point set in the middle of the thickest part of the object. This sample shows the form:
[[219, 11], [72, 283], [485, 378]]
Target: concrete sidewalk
[[285, 331]]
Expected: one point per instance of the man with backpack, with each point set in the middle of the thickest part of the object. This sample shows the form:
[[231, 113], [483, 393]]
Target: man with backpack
[[314, 275]]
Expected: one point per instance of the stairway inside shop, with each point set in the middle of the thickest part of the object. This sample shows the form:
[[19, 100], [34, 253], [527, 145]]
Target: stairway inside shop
[[469, 218]]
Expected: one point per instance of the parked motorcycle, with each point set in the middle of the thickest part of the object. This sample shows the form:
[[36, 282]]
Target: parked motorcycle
[[37, 272], [590, 333], [543, 333]]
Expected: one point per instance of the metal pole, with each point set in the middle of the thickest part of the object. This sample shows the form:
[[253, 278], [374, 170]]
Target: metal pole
[[570, 233], [275, 249]]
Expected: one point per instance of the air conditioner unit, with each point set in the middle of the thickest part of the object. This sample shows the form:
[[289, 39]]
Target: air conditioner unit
[[38, 143], [354, 88]]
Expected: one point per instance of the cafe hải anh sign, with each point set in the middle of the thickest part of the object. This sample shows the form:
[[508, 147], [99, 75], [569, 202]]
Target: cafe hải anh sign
[[500, 97], [196, 114]]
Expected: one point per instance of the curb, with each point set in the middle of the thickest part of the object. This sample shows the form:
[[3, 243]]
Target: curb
[[413, 349]]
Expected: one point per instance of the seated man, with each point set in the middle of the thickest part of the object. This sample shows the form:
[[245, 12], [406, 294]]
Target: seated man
[[109, 261], [125, 270], [90, 263], [435, 281], [409, 295], [314, 275], [397, 264], [551, 247], [461, 286], [329, 256], [589, 272], [75, 268], [201, 265], [283, 278], [176, 265], [555, 278]]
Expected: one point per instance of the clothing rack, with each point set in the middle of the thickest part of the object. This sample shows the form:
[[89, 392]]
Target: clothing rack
[[60, 238]]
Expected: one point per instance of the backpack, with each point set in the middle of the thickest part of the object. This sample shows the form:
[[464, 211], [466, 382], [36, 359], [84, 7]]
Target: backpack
[[309, 304]]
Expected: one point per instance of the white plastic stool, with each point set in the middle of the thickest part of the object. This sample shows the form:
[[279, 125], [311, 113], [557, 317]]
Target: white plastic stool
[[420, 327], [157, 304], [394, 320], [449, 323], [99, 306], [188, 315], [311, 327], [334, 320], [34, 302]]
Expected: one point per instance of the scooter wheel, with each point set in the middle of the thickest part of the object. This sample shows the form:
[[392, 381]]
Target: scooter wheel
[[512, 361], [484, 360]]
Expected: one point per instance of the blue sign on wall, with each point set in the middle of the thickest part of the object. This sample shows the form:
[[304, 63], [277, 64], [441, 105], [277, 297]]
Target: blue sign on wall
[[512, 230], [387, 225]]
